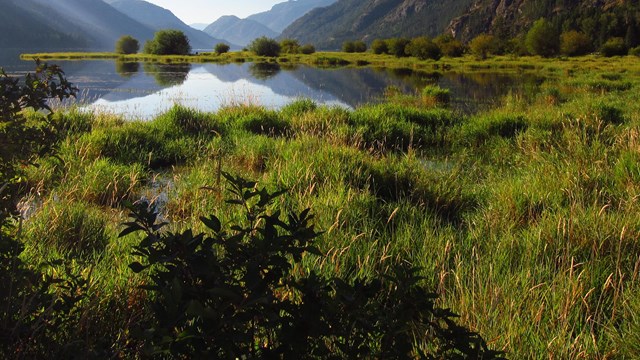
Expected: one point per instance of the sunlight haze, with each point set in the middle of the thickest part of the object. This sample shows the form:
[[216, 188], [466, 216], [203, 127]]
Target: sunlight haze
[[208, 11]]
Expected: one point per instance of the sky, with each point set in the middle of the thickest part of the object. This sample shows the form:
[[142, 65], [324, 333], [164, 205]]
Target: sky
[[208, 11]]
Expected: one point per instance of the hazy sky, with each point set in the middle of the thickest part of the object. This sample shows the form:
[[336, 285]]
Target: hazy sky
[[207, 11]]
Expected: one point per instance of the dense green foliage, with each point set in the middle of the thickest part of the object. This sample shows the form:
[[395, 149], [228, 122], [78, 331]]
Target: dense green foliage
[[290, 46], [221, 48], [522, 217], [264, 46], [542, 39], [483, 45], [573, 43], [168, 42], [423, 48], [127, 45], [234, 293], [614, 47], [354, 46]]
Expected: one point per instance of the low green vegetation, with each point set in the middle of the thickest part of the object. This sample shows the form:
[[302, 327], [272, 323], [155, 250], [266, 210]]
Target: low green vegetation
[[523, 219]]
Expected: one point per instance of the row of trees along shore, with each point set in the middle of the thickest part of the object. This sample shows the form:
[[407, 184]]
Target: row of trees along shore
[[542, 39]]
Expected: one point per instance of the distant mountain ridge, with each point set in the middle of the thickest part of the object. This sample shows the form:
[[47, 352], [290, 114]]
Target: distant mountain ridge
[[366, 20], [93, 23], [284, 14], [238, 31], [158, 18]]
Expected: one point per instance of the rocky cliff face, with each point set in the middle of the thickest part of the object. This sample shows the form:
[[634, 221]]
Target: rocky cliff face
[[372, 19], [514, 16]]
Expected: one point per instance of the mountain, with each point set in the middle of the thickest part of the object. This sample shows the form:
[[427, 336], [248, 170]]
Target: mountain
[[199, 26], [599, 19], [90, 24], [329, 27], [21, 28], [157, 18], [238, 31], [284, 14]]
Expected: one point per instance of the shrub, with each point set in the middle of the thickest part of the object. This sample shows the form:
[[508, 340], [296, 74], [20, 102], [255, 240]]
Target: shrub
[[574, 43], [379, 47], [264, 46], [483, 45], [359, 46], [168, 42], [221, 48], [290, 46], [542, 39], [635, 51], [398, 46], [348, 47], [614, 47], [238, 293], [449, 45], [307, 49], [127, 45], [424, 48]]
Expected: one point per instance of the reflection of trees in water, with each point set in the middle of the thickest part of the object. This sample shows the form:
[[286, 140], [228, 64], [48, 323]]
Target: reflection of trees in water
[[264, 70], [127, 69], [167, 74], [414, 78]]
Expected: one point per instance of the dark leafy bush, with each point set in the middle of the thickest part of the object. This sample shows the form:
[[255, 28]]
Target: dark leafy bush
[[307, 49], [221, 48], [379, 47], [614, 47], [449, 45], [36, 307], [264, 46], [573, 43], [241, 292], [290, 46], [127, 45], [348, 47], [397, 46], [483, 45], [168, 42], [542, 39], [424, 48]]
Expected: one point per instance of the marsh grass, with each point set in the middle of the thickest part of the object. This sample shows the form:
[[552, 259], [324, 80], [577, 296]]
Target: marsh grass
[[524, 217]]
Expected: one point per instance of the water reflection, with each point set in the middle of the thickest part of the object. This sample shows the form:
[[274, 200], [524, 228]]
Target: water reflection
[[167, 74], [123, 88], [264, 70], [127, 69]]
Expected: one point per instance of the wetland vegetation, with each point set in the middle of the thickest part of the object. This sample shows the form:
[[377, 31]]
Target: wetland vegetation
[[523, 218]]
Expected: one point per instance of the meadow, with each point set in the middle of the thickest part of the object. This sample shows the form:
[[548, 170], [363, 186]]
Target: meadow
[[524, 219]]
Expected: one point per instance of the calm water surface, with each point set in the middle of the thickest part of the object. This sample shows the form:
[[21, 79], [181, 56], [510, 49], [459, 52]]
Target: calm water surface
[[143, 90]]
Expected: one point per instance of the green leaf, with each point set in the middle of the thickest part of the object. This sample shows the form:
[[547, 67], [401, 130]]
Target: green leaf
[[133, 227], [137, 267], [212, 223]]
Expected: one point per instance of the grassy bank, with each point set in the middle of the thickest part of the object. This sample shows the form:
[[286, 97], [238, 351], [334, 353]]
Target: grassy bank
[[562, 66], [525, 218]]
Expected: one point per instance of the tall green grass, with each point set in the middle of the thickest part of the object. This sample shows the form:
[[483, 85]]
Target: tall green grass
[[525, 218]]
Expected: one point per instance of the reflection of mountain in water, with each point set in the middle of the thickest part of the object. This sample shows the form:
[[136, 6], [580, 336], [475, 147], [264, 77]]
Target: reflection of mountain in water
[[281, 82], [207, 86]]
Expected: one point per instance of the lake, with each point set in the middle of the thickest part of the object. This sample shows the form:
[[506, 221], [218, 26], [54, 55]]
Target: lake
[[143, 90]]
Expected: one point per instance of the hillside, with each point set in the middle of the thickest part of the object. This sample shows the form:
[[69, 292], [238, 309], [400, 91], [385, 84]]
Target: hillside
[[329, 27], [600, 19], [238, 31], [95, 22], [158, 18], [284, 14], [21, 28]]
